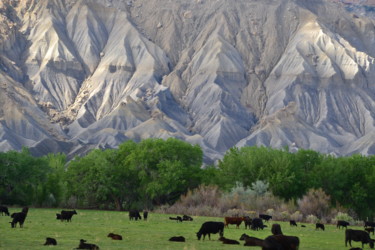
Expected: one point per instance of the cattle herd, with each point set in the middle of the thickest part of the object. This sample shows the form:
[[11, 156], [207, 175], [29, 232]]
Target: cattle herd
[[276, 241]]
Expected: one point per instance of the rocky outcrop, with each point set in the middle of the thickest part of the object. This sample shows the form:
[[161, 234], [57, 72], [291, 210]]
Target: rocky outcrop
[[82, 74]]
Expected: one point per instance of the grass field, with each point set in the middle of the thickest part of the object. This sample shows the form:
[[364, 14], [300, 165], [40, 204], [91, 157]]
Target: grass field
[[94, 226]]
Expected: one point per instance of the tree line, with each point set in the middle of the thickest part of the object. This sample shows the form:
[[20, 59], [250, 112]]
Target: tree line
[[154, 172]]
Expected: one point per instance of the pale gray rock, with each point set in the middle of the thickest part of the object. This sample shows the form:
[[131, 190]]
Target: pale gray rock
[[82, 74]]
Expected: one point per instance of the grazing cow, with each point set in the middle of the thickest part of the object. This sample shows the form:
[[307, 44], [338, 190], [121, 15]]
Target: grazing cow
[[233, 220], [292, 223], [358, 235], [281, 242], [177, 238], [84, 245], [210, 227], [178, 218], [18, 218], [265, 217], [228, 241], [4, 210], [342, 224], [257, 224], [114, 236], [247, 221], [134, 214], [66, 215], [369, 224], [319, 226], [145, 215], [276, 229], [50, 242], [251, 241], [370, 230], [187, 218]]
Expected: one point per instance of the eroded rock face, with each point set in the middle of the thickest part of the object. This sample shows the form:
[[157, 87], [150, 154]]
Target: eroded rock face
[[80, 74]]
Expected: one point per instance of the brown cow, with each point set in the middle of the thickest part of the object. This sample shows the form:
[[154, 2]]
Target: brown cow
[[233, 220]]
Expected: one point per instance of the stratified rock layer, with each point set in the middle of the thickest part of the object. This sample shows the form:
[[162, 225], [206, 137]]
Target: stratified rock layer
[[83, 74]]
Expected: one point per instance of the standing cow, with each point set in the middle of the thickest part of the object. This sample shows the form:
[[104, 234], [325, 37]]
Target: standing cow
[[210, 227], [358, 235]]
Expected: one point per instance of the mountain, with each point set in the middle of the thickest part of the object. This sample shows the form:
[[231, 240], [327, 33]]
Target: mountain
[[82, 74]]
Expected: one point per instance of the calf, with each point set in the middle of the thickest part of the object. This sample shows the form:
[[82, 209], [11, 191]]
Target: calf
[[265, 217], [178, 218], [134, 214], [276, 229], [18, 218], [370, 230], [177, 238], [66, 215], [114, 236], [342, 224], [251, 241], [319, 226], [358, 235], [292, 223], [281, 242], [187, 218], [50, 242], [4, 210], [228, 241], [234, 221], [210, 227], [84, 245], [257, 224]]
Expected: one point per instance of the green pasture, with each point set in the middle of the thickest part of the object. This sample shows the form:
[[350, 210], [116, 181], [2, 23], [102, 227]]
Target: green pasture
[[94, 226]]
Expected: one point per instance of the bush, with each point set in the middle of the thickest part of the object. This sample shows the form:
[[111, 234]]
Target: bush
[[343, 216], [297, 216], [315, 202], [312, 219]]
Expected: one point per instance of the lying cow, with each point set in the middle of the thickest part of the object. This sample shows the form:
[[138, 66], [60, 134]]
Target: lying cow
[[358, 235], [50, 242], [84, 245], [251, 241], [177, 239], [210, 227], [228, 241], [281, 242], [114, 236]]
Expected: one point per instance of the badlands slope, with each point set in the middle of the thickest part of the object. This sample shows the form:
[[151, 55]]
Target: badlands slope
[[83, 74]]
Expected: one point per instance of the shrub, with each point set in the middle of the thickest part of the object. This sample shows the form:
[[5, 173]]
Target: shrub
[[315, 202], [343, 216], [297, 216], [312, 219]]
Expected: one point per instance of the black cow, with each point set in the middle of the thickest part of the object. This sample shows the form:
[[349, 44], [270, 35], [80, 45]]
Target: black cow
[[355, 248], [358, 235], [342, 224], [257, 224], [66, 215], [210, 227], [50, 242], [84, 245], [134, 214], [281, 242], [145, 215], [187, 218], [251, 241], [292, 223], [319, 226], [4, 210], [19, 217], [265, 217], [177, 238], [178, 218], [369, 224], [228, 241], [369, 230], [247, 221], [276, 229]]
